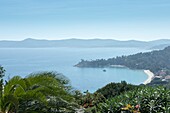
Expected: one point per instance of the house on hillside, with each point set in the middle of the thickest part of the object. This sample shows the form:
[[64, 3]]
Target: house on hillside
[[167, 77]]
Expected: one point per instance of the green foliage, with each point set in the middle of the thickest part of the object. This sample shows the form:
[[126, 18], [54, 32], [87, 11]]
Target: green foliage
[[144, 100], [45, 92], [90, 100], [2, 72], [114, 89], [49, 91]]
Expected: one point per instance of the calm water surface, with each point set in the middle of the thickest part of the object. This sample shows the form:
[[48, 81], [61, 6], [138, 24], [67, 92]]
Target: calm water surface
[[23, 61]]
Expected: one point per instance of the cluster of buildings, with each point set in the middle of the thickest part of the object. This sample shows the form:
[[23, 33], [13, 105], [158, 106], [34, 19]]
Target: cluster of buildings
[[162, 75]]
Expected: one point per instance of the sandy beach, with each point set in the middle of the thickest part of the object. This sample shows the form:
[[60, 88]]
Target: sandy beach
[[150, 76]]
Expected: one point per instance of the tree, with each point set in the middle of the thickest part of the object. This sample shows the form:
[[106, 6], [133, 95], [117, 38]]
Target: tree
[[5, 100], [2, 74], [40, 92]]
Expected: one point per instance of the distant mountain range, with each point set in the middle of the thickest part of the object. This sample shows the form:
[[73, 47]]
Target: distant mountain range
[[34, 43]]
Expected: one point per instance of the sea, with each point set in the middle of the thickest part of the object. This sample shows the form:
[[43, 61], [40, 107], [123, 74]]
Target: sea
[[24, 61]]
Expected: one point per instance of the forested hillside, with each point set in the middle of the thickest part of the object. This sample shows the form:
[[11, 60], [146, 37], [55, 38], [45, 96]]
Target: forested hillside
[[154, 61]]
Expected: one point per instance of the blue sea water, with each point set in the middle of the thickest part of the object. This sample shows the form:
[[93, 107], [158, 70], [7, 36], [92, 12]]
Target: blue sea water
[[23, 61]]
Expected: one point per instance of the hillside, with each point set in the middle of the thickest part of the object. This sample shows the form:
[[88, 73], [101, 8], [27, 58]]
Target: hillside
[[154, 61], [34, 43]]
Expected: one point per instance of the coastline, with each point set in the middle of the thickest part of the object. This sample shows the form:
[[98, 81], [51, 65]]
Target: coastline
[[118, 66], [150, 76]]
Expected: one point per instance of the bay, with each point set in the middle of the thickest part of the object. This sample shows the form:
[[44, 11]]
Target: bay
[[23, 61]]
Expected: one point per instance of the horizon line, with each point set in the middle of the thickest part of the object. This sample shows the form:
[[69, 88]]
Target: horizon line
[[83, 39]]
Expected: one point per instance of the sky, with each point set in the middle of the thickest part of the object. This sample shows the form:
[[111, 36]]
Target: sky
[[85, 19]]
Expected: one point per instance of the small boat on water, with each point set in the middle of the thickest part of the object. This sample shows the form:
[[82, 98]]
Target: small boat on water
[[104, 70]]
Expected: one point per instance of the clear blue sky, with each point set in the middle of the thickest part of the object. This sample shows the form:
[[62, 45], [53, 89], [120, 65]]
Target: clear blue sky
[[106, 19]]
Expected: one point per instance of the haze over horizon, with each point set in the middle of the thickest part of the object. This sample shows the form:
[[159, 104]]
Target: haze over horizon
[[80, 39], [104, 19]]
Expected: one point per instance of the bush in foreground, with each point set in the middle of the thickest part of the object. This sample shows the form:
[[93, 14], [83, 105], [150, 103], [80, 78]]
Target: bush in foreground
[[140, 100]]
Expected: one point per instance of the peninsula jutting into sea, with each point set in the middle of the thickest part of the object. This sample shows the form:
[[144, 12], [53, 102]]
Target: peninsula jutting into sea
[[157, 62]]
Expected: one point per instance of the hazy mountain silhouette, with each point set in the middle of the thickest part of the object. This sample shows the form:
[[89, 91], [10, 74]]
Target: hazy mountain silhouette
[[34, 43]]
